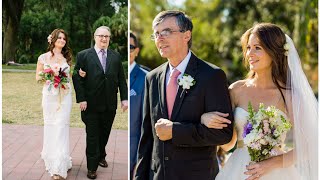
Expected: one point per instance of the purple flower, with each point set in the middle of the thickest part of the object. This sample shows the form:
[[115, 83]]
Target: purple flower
[[247, 129]]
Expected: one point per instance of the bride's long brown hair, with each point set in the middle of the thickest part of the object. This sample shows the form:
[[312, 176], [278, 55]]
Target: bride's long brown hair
[[272, 39], [66, 51]]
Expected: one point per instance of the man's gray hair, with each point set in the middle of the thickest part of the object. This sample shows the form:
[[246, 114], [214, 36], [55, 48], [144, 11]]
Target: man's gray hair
[[102, 27], [183, 21]]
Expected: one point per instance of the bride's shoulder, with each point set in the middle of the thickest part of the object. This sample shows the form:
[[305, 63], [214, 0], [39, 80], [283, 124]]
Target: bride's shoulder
[[237, 85], [235, 90], [42, 58]]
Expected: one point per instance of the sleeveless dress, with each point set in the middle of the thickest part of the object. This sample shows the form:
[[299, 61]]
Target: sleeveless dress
[[236, 165], [56, 114]]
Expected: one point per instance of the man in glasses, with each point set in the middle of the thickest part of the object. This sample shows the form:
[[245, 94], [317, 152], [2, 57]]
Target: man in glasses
[[174, 144], [137, 79], [96, 86]]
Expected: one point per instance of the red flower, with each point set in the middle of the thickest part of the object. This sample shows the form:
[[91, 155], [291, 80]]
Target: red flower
[[63, 74], [57, 79], [56, 85], [48, 71]]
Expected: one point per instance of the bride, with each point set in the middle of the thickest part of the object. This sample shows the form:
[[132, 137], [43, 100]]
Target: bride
[[56, 104], [275, 79]]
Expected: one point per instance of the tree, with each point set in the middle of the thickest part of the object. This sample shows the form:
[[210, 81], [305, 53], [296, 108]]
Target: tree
[[218, 26], [12, 11]]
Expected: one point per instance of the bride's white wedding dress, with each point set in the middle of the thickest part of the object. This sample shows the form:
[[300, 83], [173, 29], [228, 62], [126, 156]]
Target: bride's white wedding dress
[[236, 165], [56, 114]]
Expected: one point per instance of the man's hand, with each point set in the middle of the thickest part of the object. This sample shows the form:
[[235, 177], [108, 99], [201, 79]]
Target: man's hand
[[124, 105], [164, 129], [83, 105], [82, 73]]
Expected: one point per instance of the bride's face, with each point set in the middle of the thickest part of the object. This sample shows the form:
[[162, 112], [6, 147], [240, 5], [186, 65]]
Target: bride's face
[[61, 41], [256, 55]]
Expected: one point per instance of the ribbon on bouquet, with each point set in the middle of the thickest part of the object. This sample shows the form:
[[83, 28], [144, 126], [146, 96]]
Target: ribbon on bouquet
[[62, 92]]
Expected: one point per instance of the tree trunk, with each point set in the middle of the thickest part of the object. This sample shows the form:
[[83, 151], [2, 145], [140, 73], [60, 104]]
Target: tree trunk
[[10, 42], [12, 15]]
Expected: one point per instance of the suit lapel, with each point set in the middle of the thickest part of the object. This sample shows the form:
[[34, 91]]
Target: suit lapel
[[190, 70], [162, 89], [95, 57]]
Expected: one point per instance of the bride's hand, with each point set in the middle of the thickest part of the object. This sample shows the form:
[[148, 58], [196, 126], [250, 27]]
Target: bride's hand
[[256, 170], [216, 120]]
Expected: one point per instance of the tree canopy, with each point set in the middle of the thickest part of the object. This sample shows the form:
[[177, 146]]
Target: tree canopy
[[218, 26], [79, 18]]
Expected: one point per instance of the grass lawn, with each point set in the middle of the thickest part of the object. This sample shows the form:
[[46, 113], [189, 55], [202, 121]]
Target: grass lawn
[[21, 102], [24, 67]]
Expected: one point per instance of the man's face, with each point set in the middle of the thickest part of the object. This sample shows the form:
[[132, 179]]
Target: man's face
[[134, 50], [170, 42], [102, 38]]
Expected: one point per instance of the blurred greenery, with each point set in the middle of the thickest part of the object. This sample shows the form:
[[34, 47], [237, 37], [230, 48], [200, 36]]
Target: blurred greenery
[[219, 24], [79, 18], [34, 66]]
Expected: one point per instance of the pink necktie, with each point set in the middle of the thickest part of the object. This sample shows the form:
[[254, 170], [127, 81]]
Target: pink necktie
[[172, 90], [103, 59]]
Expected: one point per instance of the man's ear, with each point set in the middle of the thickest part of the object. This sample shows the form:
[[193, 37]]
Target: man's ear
[[187, 35]]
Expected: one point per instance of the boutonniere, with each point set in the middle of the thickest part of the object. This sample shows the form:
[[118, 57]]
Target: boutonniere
[[186, 81]]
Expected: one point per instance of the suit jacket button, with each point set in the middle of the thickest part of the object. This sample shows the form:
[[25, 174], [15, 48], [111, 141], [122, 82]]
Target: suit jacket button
[[166, 158], [106, 78]]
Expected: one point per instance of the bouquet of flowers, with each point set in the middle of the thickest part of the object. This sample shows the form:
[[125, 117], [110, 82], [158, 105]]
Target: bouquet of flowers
[[55, 77], [264, 132]]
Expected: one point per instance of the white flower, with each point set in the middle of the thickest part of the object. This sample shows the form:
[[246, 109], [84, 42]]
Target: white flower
[[49, 38], [186, 81], [286, 47], [56, 68], [263, 142], [48, 82], [265, 152], [273, 152]]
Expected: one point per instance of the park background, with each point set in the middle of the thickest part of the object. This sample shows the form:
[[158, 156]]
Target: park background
[[219, 24], [26, 25]]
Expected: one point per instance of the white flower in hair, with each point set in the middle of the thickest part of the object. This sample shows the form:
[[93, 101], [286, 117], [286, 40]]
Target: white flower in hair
[[49, 38], [286, 47]]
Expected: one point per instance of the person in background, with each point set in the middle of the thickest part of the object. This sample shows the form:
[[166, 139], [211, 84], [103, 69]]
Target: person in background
[[137, 79]]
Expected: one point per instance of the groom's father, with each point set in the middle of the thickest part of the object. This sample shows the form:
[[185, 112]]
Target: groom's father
[[97, 95], [174, 144]]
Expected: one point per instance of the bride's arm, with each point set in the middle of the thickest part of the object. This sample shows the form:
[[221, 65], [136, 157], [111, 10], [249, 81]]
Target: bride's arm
[[227, 147], [39, 69]]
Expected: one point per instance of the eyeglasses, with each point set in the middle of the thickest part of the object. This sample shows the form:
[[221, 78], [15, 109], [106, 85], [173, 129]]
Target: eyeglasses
[[103, 36], [132, 48], [165, 33]]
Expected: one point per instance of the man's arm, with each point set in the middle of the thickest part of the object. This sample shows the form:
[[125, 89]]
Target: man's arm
[[146, 140], [122, 83], [216, 99], [78, 81]]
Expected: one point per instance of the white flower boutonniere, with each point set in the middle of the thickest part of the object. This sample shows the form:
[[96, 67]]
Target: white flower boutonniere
[[186, 82]]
